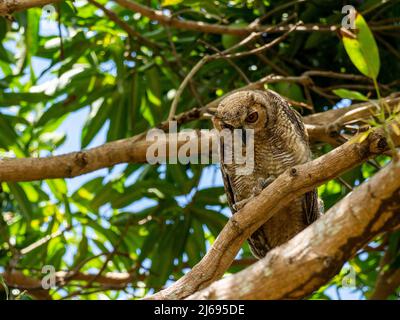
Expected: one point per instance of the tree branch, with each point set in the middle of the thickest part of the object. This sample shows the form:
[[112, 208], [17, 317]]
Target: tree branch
[[134, 149], [311, 258], [221, 55], [388, 278], [110, 280], [291, 184], [125, 26], [10, 6], [222, 29], [386, 285]]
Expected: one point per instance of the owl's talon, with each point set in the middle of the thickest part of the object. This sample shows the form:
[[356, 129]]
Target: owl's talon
[[266, 182], [262, 184], [239, 205]]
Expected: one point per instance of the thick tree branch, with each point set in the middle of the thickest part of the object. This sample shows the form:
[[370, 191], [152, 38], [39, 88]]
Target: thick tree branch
[[310, 259], [291, 184], [10, 6], [357, 111]]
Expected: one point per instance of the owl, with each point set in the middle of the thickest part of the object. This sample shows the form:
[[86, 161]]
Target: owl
[[280, 141]]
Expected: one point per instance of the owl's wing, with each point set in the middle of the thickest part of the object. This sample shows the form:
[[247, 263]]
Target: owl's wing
[[292, 115], [311, 206], [310, 199], [297, 120], [225, 177]]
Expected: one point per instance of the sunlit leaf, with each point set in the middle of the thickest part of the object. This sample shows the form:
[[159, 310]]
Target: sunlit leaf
[[362, 48], [165, 3], [350, 94]]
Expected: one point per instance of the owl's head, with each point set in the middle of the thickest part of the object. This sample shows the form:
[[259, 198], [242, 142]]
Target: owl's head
[[250, 109]]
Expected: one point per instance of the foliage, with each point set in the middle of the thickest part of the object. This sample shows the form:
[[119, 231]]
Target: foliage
[[155, 222]]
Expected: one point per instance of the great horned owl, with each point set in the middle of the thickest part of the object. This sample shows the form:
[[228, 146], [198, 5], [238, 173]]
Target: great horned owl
[[280, 142]]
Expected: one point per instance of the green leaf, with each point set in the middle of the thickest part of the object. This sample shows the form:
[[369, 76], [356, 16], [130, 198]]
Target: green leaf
[[362, 48], [132, 217], [22, 200], [72, 103], [68, 212], [93, 125], [3, 28], [150, 242], [8, 136], [196, 243], [32, 32], [5, 56], [118, 121], [4, 285], [56, 258], [82, 251], [350, 94], [214, 220], [162, 265], [290, 90], [210, 196], [228, 40], [165, 3], [58, 187]]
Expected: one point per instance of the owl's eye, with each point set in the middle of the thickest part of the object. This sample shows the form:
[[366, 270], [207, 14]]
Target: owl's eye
[[252, 117]]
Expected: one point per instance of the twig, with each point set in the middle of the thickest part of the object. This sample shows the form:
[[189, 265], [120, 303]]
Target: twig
[[345, 183], [226, 55], [388, 46], [266, 46], [60, 32], [182, 86], [125, 26], [388, 278], [384, 2], [111, 254], [43, 240], [233, 30], [272, 65], [280, 8], [230, 61], [179, 62]]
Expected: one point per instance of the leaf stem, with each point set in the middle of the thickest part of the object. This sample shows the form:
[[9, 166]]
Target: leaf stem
[[378, 93]]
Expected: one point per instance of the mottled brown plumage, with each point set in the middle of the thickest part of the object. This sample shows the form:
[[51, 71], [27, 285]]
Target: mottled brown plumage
[[280, 142]]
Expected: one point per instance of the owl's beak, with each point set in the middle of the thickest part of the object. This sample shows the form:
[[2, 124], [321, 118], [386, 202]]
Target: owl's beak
[[212, 112]]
